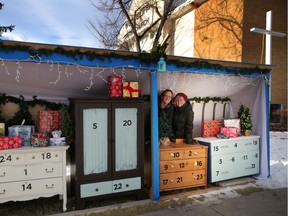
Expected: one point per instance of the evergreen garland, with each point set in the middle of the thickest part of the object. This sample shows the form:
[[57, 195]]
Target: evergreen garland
[[23, 112], [143, 57], [207, 99]]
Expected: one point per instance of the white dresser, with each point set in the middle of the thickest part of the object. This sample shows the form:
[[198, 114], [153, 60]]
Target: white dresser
[[28, 173], [231, 158]]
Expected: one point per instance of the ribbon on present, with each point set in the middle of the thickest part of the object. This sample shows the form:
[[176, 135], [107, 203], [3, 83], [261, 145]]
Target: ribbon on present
[[130, 89]]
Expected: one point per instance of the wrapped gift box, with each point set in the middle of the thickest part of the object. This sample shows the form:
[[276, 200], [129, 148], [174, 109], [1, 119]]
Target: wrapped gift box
[[10, 142], [115, 86], [57, 141], [2, 129], [210, 128], [229, 131], [39, 140], [233, 123], [24, 131], [131, 89], [48, 121]]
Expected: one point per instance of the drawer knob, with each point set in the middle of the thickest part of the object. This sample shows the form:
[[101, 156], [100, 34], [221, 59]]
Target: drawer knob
[[56, 155], [172, 155], [3, 175], [96, 189], [17, 158], [172, 166], [50, 187], [3, 192], [195, 153], [171, 180], [33, 157]]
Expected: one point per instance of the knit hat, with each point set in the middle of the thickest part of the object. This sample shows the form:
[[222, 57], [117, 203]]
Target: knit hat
[[182, 95]]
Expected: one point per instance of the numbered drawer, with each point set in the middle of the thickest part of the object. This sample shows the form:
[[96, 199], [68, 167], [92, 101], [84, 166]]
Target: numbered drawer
[[7, 159], [182, 180], [95, 189], [126, 184], [46, 170], [44, 156], [12, 173], [234, 159], [30, 171], [247, 169], [21, 190], [247, 144], [182, 165], [234, 145], [108, 187], [176, 154]]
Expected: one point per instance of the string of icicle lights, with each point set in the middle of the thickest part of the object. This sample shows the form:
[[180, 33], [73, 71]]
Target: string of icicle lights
[[170, 79]]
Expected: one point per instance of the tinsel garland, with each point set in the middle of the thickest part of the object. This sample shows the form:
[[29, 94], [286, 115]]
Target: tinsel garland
[[143, 57]]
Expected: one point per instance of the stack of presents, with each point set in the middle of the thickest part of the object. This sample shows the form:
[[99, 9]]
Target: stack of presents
[[118, 88], [48, 130], [222, 128], [46, 133]]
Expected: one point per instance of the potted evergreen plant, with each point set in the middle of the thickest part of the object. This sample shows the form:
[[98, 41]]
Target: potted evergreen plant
[[165, 130], [245, 120]]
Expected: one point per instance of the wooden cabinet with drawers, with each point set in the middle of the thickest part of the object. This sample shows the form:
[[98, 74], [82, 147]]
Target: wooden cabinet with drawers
[[231, 158], [28, 173], [182, 166], [108, 152]]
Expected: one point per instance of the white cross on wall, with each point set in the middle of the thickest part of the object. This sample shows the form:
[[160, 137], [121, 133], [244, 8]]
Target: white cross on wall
[[268, 35]]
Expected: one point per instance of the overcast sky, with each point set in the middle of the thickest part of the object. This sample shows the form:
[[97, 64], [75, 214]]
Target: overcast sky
[[60, 22]]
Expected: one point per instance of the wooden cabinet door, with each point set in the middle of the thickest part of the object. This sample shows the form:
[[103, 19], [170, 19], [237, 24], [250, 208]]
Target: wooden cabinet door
[[127, 137], [94, 144]]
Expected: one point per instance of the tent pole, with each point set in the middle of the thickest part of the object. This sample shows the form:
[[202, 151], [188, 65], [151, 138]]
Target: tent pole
[[154, 136]]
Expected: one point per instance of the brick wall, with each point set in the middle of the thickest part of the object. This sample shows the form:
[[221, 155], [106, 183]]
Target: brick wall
[[222, 31]]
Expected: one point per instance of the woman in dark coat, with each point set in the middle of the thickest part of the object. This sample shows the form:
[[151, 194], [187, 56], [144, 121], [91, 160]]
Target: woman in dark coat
[[166, 112], [166, 106], [183, 118]]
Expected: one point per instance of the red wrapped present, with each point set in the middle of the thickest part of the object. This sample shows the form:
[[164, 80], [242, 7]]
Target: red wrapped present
[[39, 140], [10, 142], [233, 123], [49, 121], [210, 128], [229, 131], [115, 86], [131, 89]]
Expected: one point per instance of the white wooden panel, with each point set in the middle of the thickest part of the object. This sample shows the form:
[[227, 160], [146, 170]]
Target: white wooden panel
[[197, 109], [95, 138], [126, 184], [208, 112], [126, 138], [96, 189]]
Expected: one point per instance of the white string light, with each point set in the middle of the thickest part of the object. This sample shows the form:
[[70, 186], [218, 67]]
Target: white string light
[[17, 78], [3, 65], [91, 81], [171, 78]]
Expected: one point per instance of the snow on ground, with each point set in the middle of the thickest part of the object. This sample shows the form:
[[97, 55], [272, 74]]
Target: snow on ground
[[277, 179], [278, 162]]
